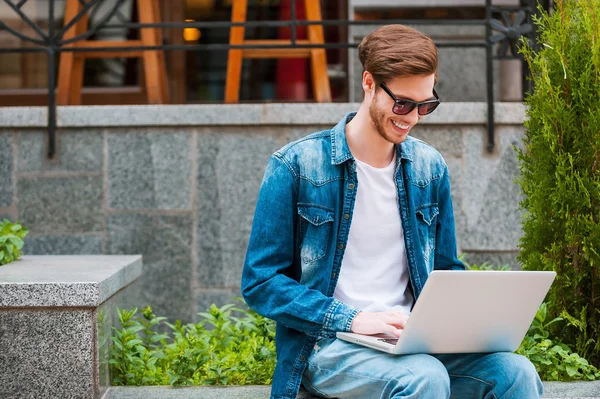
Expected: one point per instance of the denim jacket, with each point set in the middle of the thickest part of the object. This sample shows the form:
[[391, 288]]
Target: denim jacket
[[300, 231]]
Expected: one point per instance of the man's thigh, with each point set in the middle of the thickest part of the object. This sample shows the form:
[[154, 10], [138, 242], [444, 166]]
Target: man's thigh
[[492, 375], [340, 369]]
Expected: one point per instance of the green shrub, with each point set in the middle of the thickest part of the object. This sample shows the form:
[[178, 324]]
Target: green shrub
[[553, 360], [560, 169], [483, 266], [241, 351], [221, 349], [11, 241]]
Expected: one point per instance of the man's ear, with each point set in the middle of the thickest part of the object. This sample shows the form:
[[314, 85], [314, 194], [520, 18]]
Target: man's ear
[[368, 82]]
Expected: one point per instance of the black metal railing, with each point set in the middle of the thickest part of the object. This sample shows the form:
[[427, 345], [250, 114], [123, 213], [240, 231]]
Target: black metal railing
[[503, 28]]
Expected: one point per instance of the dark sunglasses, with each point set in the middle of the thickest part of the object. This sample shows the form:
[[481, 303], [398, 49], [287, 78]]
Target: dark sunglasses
[[405, 107]]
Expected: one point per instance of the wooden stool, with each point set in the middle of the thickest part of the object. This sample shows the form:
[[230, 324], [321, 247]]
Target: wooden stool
[[70, 72], [318, 61]]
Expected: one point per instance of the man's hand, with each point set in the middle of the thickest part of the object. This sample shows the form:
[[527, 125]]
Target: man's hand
[[369, 323]]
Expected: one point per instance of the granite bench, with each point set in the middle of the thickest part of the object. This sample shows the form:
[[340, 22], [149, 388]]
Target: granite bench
[[56, 314]]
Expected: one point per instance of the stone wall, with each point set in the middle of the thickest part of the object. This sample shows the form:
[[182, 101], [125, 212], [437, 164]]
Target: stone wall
[[178, 185]]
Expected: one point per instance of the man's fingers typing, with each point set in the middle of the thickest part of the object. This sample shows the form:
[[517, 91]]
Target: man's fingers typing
[[394, 330], [379, 322]]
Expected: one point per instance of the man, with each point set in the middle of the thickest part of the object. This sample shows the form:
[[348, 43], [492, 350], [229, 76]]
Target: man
[[348, 225]]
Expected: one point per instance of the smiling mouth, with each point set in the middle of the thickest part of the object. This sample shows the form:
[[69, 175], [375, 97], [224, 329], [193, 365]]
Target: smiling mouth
[[400, 126]]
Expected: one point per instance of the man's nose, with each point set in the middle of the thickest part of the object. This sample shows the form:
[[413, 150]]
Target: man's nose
[[413, 116]]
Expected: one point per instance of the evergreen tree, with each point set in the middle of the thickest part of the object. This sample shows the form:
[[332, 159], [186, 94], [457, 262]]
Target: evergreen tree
[[560, 168]]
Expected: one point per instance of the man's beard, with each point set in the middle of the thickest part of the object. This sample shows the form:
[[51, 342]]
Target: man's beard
[[377, 118]]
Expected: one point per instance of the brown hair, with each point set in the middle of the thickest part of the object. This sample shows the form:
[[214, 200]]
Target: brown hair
[[397, 50]]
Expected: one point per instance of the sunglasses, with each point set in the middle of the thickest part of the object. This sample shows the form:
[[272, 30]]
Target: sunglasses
[[405, 107]]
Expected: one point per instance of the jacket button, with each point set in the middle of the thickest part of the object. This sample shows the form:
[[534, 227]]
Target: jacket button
[[346, 216], [302, 358], [333, 275], [340, 246], [351, 186]]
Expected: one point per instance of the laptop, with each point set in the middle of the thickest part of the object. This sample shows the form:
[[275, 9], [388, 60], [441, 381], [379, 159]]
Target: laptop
[[467, 312]]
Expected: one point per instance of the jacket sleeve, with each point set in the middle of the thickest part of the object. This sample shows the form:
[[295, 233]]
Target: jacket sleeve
[[446, 257], [266, 285]]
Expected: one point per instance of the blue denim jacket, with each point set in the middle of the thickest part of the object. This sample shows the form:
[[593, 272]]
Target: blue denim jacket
[[300, 231]]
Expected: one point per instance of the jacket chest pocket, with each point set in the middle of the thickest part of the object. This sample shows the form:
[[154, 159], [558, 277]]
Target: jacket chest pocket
[[426, 226], [316, 225]]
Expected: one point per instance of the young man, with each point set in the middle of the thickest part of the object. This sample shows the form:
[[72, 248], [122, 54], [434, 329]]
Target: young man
[[348, 225]]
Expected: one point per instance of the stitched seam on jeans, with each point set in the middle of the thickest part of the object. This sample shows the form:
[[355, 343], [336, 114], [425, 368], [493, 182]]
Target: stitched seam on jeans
[[476, 379], [361, 375], [306, 382]]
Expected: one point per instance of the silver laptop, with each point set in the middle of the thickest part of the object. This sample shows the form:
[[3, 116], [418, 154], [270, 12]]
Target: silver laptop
[[467, 312]]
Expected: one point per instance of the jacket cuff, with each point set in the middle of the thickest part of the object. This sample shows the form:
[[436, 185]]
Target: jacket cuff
[[339, 317]]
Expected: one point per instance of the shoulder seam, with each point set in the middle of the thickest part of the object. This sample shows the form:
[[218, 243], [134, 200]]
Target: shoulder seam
[[312, 136], [279, 156]]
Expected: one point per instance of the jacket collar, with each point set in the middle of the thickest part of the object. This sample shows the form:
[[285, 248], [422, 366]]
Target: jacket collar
[[340, 152]]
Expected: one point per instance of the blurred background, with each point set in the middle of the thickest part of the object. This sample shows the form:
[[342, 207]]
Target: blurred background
[[199, 75]]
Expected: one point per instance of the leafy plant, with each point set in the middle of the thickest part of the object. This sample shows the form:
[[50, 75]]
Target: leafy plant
[[553, 360], [226, 350], [221, 349], [483, 266], [11, 241], [560, 169], [127, 349]]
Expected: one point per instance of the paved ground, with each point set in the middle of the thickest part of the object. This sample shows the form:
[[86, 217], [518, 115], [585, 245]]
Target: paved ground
[[554, 390]]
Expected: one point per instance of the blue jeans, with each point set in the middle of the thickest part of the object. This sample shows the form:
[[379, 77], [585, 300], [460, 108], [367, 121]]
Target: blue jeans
[[339, 369]]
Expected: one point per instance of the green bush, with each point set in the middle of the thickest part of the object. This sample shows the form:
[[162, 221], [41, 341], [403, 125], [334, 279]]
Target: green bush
[[483, 266], [553, 360], [221, 349], [560, 169], [11, 241], [241, 351]]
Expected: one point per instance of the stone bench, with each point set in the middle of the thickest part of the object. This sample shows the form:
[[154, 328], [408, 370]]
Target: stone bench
[[56, 314], [553, 390]]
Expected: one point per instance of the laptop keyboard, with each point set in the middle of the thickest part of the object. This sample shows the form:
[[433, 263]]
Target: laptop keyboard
[[391, 341]]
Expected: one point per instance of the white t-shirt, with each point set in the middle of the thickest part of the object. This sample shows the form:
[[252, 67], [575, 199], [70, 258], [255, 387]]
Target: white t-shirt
[[374, 274]]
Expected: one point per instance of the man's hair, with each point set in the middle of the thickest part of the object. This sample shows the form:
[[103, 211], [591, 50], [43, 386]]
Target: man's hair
[[397, 50]]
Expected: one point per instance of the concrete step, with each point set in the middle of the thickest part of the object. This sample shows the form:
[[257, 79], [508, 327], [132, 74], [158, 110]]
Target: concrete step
[[553, 390]]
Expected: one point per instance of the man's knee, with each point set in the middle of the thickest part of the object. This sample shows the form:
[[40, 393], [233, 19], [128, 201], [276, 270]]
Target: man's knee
[[517, 377], [428, 378]]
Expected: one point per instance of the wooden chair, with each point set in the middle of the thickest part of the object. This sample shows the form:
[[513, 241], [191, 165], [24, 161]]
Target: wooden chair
[[70, 72], [318, 61]]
